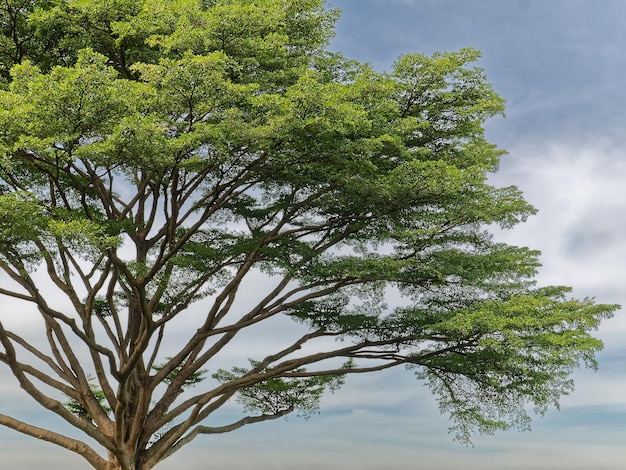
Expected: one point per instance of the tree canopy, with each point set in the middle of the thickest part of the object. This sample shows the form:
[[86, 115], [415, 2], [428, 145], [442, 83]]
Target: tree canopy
[[161, 160]]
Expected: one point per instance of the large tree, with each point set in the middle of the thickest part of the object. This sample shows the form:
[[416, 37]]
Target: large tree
[[160, 161]]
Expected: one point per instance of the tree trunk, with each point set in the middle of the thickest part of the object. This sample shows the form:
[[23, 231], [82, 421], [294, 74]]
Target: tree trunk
[[115, 464]]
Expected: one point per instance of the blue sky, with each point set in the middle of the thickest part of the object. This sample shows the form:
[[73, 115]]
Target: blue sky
[[560, 64]]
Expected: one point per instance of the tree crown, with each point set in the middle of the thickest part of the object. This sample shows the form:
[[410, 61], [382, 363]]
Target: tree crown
[[158, 160]]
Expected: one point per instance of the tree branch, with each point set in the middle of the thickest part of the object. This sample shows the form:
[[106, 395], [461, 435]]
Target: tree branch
[[70, 444], [223, 429]]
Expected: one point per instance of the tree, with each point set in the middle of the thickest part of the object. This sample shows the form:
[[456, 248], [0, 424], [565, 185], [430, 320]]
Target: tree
[[159, 159]]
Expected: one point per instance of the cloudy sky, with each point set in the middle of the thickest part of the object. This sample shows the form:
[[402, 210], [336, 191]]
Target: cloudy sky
[[560, 64]]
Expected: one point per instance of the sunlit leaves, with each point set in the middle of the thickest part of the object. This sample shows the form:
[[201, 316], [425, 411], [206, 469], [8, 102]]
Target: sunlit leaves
[[506, 353], [56, 110], [21, 218]]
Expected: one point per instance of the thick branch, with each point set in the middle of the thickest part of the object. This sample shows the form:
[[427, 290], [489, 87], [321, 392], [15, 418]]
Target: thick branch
[[70, 444]]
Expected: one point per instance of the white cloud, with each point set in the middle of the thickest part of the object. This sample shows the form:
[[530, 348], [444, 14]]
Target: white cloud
[[580, 192]]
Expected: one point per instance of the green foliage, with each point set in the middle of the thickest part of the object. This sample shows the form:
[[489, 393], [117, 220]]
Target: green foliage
[[295, 392], [78, 408], [521, 350], [190, 381], [21, 218]]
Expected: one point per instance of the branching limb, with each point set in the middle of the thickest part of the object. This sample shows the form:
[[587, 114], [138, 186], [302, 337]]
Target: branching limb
[[223, 429], [45, 401], [16, 295], [33, 371], [37, 353], [70, 444]]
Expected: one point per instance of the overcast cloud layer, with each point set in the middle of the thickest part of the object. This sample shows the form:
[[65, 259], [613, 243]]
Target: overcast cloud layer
[[560, 65]]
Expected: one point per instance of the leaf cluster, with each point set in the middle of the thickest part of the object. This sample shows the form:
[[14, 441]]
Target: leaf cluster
[[295, 392]]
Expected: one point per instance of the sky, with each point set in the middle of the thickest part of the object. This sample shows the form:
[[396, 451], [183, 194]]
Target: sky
[[560, 64]]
